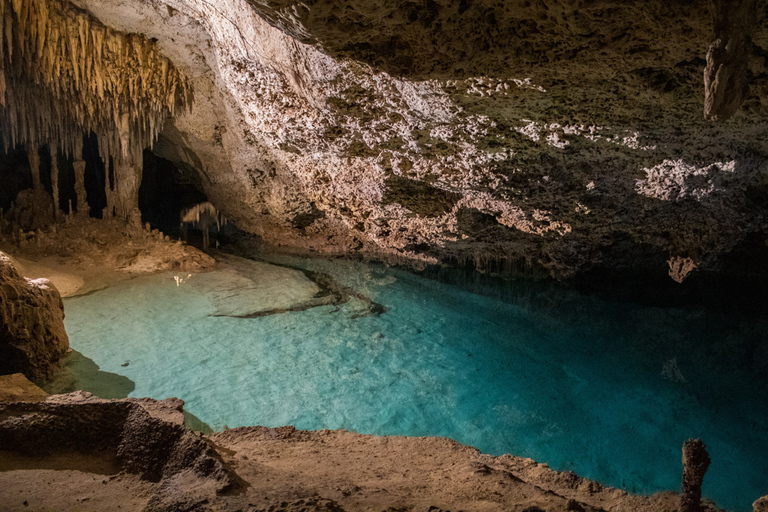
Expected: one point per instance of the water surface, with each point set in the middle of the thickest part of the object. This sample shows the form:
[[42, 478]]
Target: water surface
[[608, 390]]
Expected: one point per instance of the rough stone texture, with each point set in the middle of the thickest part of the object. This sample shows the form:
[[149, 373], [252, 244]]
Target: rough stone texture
[[695, 463], [726, 81], [32, 335], [761, 504], [17, 388], [144, 436], [573, 130], [114, 243], [278, 469]]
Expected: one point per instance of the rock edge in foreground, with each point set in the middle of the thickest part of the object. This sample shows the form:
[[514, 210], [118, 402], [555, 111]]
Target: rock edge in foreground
[[144, 436]]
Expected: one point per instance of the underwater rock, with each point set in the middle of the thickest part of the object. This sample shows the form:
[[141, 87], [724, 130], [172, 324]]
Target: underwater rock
[[32, 334], [695, 463], [760, 505]]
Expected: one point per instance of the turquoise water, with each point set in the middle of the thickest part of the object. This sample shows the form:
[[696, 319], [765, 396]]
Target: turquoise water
[[607, 390]]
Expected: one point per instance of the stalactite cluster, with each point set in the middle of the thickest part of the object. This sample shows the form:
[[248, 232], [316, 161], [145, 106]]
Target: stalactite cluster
[[63, 73]]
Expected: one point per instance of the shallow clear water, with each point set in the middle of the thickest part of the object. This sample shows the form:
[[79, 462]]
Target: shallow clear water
[[607, 390]]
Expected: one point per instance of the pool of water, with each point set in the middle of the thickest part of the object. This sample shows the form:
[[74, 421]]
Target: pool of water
[[608, 390]]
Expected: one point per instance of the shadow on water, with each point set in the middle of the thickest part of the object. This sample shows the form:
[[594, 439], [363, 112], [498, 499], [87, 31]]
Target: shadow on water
[[192, 422], [81, 373]]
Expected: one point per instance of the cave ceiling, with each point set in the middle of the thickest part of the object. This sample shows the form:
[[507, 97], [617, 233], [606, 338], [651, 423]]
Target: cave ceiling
[[560, 134]]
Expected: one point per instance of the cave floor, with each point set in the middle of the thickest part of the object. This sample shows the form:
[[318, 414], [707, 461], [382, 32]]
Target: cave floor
[[285, 469]]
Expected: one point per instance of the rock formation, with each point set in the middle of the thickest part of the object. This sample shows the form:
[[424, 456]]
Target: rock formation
[[552, 137], [695, 463], [761, 505], [32, 335], [64, 74], [555, 137], [726, 75], [144, 436], [278, 469]]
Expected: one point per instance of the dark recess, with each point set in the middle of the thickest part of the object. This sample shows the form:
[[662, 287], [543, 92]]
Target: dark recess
[[15, 176], [419, 197], [167, 189], [95, 177]]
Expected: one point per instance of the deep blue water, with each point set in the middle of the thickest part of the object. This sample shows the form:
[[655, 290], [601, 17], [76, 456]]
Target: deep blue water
[[608, 390]]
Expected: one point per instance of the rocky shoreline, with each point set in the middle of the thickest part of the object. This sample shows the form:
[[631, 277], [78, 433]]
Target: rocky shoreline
[[147, 460]]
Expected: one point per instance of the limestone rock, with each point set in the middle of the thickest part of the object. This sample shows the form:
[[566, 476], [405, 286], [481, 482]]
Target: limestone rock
[[136, 432], [761, 504], [63, 73], [32, 334], [695, 463], [17, 388], [548, 136], [32, 210], [726, 83]]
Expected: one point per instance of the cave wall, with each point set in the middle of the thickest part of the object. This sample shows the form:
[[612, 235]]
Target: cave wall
[[562, 134]]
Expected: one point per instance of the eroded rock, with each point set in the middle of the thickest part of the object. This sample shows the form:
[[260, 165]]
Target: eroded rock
[[726, 83], [695, 463], [32, 334], [143, 436]]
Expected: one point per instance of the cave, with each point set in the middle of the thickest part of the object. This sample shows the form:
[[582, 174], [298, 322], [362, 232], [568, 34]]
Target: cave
[[365, 255]]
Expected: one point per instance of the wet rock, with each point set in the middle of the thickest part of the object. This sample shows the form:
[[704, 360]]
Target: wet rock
[[32, 334], [761, 505]]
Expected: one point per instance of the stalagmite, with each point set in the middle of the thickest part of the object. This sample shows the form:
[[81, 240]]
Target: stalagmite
[[125, 196], [695, 463]]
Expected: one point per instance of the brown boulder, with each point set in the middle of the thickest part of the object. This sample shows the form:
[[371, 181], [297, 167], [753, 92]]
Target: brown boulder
[[32, 334]]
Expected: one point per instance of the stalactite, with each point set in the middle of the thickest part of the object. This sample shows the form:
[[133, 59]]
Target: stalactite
[[62, 74], [82, 203], [34, 166], [55, 179], [203, 216]]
